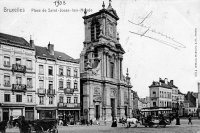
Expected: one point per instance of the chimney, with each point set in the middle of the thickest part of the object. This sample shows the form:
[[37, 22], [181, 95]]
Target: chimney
[[51, 48], [32, 42], [172, 82], [166, 81]]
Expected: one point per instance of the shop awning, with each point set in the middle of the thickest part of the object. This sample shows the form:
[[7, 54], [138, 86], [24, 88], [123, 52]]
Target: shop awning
[[46, 108], [67, 109], [7, 105]]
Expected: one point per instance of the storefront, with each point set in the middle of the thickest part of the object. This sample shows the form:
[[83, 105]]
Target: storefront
[[29, 113], [69, 113], [46, 112], [12, 111]]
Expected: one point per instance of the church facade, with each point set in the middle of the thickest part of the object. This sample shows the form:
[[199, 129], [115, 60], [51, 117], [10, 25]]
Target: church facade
[[105, 91]]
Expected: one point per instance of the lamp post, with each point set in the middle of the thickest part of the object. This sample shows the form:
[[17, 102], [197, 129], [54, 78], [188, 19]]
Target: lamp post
[[128, 83], [177, 114]]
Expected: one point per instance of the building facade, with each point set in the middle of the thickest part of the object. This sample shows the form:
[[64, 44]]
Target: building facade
[[68, 87], [46, 105], [161, 93], [17, 78], [191, 104], [58, 85], [105, 92]]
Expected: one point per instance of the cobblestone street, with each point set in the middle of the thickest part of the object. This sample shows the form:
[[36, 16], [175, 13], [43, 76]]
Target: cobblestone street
[[183, 128]]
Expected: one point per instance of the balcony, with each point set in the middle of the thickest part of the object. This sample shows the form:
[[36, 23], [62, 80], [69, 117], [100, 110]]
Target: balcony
[[19, 88], [41, 91], [18, 68], [69, 105], [154, 97], [51, 92], [68, 90]]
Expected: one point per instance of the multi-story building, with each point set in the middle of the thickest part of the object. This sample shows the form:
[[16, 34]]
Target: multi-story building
[[198, 109], [17, 77], [46, 102], [58, 84], [105, 91], [161, 93], [191, 104], [68, 87]]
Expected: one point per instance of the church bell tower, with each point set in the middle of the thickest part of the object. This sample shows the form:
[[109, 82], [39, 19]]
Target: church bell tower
[[105, 92]]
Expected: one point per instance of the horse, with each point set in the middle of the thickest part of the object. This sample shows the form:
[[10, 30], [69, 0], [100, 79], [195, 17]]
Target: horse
[[3, 125], [130, 121], [24, 126]]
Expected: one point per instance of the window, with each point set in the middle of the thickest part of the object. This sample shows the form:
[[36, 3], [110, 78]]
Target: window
[[68, 84], [112, 70], [154, 104], [68, 99], [6, 61], [29, 98], [50, 100], [41, 84], [61, 84], [75, 73], [6, 97], [61, 71], [75, 99], [68, 72], [18, 61], [41, 69], [18, 98], [6, 80], [50, 70], [41, 100], [29, 82], [75, 86], [29, 64], [95, 30], [50, 85], [18, 80], [61, 99]]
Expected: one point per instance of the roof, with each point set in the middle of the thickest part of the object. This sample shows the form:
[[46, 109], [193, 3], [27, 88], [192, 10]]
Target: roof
[[14, 41], [195, 94], [179, 92], [109, 11], [64, 57], [43, 52], [162, 83]]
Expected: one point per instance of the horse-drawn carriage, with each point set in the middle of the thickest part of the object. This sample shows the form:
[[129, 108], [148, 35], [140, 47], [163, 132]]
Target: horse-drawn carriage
[[38, 126], [155, 122], [3, 125], [153, 117]]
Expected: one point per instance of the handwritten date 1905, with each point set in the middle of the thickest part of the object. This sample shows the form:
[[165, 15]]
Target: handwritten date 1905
[[59, 2]]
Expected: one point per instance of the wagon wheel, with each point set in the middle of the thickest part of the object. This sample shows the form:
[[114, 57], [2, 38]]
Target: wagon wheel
[[39, 129]]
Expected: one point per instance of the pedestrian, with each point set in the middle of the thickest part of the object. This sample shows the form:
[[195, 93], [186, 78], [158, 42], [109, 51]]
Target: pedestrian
[[123, 121], [105, 121], [114, 123], [91, 122], [190, 120]]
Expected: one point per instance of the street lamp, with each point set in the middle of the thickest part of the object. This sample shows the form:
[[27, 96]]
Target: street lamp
[[177, 114], [128, 82]]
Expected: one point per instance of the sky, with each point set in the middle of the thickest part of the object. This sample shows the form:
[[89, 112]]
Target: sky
[[158, 36]]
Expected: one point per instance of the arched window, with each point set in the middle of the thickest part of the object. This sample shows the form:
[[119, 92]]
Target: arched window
[[95, 29]]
